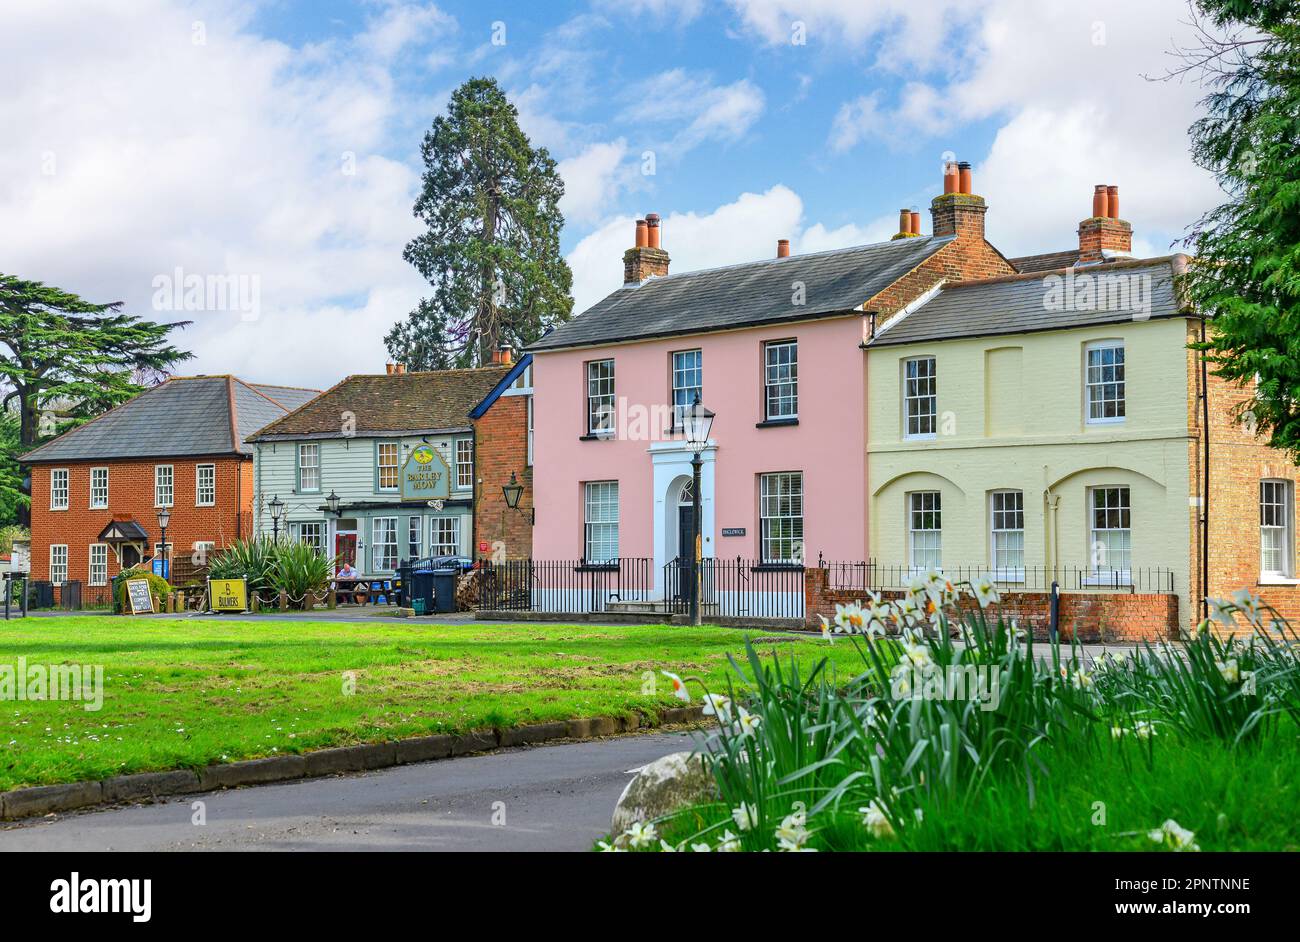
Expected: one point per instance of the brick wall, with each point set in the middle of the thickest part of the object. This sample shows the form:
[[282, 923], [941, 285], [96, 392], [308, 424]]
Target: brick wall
[[966, 258], [1088, 616], [501, 447], [131, 495]]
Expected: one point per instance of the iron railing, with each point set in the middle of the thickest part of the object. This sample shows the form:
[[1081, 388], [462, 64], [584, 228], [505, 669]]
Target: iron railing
[[562, 586], [873, 576], [736, 588]]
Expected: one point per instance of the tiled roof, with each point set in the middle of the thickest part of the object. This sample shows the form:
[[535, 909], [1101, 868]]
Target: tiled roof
[[1015, 304], [189, 415], [750, 294], [390, 403]]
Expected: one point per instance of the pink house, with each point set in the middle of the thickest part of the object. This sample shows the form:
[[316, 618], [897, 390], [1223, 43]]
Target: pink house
[[774, 348]]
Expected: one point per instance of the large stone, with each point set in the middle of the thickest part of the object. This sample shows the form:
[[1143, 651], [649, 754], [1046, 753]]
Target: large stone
[[663, 786]]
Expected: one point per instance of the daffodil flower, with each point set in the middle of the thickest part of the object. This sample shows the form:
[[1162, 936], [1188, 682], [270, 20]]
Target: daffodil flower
[[728, 843], [1221, 610], [849, 618], [641, 834], [985, 591], [1174, 836], [1250, 605], [826, 630], [1229, 670], [748, 723], [679, 688], [715, 704], [746, 816], [875, 821]]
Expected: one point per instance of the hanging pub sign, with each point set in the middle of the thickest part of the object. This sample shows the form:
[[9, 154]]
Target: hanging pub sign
[[425, 476]]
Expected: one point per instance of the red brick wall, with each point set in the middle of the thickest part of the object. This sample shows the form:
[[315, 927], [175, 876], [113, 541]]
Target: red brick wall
[[1088, 616], [131, 494], [501, 447], [963, 259]]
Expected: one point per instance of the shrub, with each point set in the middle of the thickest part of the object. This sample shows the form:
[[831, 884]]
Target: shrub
[[158, 587], [300, 572], [251, 560]]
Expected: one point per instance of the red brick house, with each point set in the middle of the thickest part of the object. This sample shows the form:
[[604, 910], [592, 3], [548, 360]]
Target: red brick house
[[97, 489]]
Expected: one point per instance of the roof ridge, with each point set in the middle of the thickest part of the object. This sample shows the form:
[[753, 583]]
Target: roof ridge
[[257, 392], [1102, 266], [230, 406]]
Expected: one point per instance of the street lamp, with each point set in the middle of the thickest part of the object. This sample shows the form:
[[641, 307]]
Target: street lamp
[[164, 518], [332, 503], [512, 492], [276, 506], [696, 423]]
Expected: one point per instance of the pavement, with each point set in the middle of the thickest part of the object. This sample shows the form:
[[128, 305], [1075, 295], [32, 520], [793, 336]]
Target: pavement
[[539, 798]]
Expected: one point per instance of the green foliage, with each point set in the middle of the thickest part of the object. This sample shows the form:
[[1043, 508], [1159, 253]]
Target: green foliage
[[12, 496], [300, 572], [61, 349], [252, 560], [10, 533], [1246, 275], [491, 251], [158, 587]]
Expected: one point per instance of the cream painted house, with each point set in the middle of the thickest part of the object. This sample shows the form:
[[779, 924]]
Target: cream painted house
[[1036, 426]]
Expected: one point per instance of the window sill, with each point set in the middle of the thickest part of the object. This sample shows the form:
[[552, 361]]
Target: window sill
[[596, 437], [920, 438], [1277, 580], [776, 423], [1008, 576], [1120, 579], [777, 567], [597, 567]]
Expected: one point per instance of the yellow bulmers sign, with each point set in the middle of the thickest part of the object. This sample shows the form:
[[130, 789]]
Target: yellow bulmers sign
[[228, 595]]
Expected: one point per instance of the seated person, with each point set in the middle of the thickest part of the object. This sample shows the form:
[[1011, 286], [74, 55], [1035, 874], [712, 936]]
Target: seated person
[[348, 573]]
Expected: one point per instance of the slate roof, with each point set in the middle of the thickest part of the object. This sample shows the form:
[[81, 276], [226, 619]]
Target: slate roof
[[186, 415], [382, 404], [745, 295], [1015, 304], [1048, 261]]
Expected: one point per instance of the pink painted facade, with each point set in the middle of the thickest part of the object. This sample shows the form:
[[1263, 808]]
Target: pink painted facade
[[828, 445]]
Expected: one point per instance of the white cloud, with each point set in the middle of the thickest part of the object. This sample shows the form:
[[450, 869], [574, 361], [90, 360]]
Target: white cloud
[[229, 156], [701, 110], [591, 180], [856, 121], [401, 24]]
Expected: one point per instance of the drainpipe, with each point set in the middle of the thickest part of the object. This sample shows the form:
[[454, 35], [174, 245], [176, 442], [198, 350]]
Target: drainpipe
[[1205, 489]]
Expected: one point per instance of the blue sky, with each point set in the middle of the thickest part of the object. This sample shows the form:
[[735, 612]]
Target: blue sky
[[277, 141]]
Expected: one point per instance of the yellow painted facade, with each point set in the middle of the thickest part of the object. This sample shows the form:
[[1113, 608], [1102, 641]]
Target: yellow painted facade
[[1011, 416]]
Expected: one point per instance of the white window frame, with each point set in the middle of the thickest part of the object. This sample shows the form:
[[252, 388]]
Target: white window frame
[[103, 503], [318, 541], [924, 552], [307, 459], [600, 522], [601, 395], [97, 567], [1110, 575], [1006, 506], [684, 392], [202, 550], [780, 380], [464, 463], [199, 471], [780, 508], [1277, 519], [920, 391], [60, 493], [379, 559], [58, 563], [161, 488], [440, 542], [1100, 346], [395, 467]]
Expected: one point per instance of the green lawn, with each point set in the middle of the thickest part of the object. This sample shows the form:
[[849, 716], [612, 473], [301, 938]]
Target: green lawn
[[186, 693]]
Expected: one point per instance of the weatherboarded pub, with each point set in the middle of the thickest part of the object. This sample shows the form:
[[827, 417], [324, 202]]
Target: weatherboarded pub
[[386, 467]]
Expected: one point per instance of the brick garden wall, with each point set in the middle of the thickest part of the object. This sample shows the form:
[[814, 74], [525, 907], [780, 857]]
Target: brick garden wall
[[1088, 616], [501, 447]]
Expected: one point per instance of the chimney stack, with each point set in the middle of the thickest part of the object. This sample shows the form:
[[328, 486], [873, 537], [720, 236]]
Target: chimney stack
[[782, 248], [958, 212], [1104, 232], [645, 259]]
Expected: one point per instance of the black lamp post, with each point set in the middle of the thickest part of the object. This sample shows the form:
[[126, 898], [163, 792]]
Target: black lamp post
[[276, 506], [164, 518], [696, 423], [512, 493]]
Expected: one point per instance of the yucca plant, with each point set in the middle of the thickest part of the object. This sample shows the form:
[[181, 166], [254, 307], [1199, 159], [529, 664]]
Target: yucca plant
[[251, 559], [300, 572]]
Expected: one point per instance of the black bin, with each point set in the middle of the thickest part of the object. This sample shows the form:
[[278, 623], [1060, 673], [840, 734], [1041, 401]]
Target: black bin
[[42, 594], [419, 591], [444, 591]]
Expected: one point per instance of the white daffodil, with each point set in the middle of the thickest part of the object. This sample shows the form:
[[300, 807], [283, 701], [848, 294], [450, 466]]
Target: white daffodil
[[985, 591], [701, 848], [1143, 730], [793, 833], [1118, 732], [918, 653], [679, 688], [746, 816], [826, 630], [607, 848], [1081, 680], [905, 610], [1250, 605], [666, 847], [850, 619], [900, 680], [747, 723], [715, 704], [1229, 670], [641, 834], [728, 843], [875, 821], [1174, 836], [1221, 610]]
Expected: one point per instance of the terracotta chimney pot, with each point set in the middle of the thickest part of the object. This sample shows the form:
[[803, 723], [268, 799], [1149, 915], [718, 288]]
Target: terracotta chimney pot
[[1112, 202], [652, 225], [389, 368], [950, 179], [642, 237], [782, 248], [916, 222], [963, 177]]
